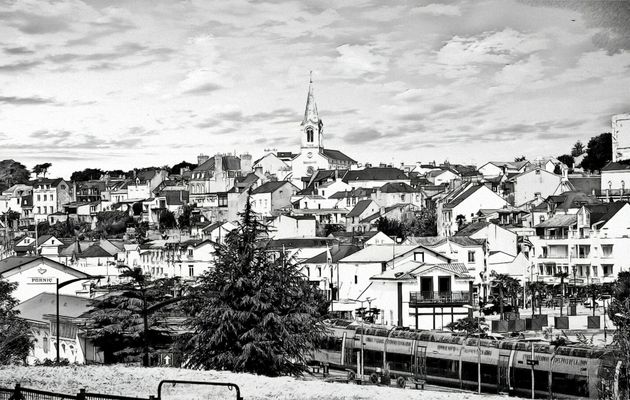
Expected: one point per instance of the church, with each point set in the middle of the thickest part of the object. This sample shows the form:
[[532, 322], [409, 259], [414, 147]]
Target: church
[[313, 155]]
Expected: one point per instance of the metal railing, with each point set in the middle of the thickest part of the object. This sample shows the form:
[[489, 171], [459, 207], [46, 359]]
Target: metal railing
[[438, 297]]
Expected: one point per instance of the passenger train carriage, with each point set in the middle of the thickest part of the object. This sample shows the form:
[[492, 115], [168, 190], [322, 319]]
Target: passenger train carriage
[[449, 360]]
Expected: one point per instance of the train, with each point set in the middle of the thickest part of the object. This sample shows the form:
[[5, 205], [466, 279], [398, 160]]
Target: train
[[446, 359]]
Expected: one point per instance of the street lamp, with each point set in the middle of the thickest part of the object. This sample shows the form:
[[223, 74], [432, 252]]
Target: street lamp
[[471, 308], [59, 286]]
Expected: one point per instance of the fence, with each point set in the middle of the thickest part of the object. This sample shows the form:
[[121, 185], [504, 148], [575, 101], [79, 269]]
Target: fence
[[20, 393]]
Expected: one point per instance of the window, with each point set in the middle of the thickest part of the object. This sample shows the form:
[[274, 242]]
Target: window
[[190, 252], [319, 270], [191, 270], [38, 198], [45, 198], [607, 269], [471, 256], [418, 256], [402, 197], [607, 250], [39, 210], [594, 270], [309, 134], [356, 279]]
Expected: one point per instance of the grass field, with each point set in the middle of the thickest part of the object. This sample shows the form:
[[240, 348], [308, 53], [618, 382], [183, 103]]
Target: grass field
[[142, 382]]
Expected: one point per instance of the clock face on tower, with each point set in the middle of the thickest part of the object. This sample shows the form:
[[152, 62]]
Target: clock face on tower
[[309, 154]]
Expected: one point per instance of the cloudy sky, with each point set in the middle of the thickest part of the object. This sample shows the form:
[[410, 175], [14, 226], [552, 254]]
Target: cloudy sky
[[117, 84]]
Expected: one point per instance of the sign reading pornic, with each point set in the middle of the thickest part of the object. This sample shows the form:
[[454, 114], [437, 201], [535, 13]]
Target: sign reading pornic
[[38, 280]]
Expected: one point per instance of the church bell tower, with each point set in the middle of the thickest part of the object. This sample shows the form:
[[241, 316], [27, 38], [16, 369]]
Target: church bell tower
[[312, 127]]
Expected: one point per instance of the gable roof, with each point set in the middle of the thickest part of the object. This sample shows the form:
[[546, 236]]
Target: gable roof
[[45, 304], [463, 196], [604, 212], [471, 229], [336, 253], [398, 187], [558, 221], [94, 251], [617, 166], [13, 262], [269, 187], [375, 174], [337, 155], [411, 270], [359, 208]]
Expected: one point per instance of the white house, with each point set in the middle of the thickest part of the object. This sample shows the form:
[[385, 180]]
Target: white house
[[496, 168], [269, 198], [534, 183], [287, 226], [37, 274]]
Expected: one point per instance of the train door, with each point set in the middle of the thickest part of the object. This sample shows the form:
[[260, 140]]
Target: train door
[[348, 356], [419, 368], [503, 373]]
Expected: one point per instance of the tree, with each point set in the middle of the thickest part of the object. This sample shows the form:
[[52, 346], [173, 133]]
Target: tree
[[11, 173], [578, 149], [112, 222], [460, 220], [469, 325], [88, 174], [187, 219], [167, 220], [619, 314], [507, 286], [254, 312], [594, 290], [562, 275], [538, 290], [128, 320], [567, 160], [424, 223], [518, 159], [390, 227], [15, 341], [177, 168], [598, 152], [41, 169], [557, 169]]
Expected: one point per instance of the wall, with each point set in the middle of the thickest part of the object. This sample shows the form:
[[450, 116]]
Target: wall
[[536, 181]]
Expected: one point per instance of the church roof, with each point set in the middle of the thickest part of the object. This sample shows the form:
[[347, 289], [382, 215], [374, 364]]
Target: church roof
[[310, 113], [337, 155]]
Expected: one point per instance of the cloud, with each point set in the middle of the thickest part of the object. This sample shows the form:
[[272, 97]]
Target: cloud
[[438, 10], [18, 50], [357, 60], [25, 101], [19, 66], [65, 140], [362, 136], [34, 24]]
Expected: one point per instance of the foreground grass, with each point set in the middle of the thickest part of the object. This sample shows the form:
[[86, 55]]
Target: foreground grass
[[142, 382]]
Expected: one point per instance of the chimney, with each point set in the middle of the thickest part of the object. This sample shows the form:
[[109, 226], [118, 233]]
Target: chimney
[[259, 171], [202, 158], [218, 165], [246, 163]]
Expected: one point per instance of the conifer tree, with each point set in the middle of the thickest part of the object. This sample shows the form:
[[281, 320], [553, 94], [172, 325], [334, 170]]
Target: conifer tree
[[15, 339], [254, 312]]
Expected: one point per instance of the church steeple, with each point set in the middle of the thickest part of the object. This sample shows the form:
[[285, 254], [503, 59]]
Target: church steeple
[[312, 126]]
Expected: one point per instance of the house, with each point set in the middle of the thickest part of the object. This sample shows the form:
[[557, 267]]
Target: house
[[534, 183], [273, 167], [40, 312], [443, 176], [49, 196], [461, 249], [363, 210], [300, 248], [269, 198], [349, 198], [143, 183], [89, 191], [462, 205], [496, 168], [615, 180], [217, 231], [288, 226], [496, 237], [592, 245], [375, 177], [37, 274], [398, 193], [11, 198], [322, 269], [421, 295]]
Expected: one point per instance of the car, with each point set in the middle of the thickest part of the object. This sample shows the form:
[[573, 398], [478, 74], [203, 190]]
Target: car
[[494, 308]]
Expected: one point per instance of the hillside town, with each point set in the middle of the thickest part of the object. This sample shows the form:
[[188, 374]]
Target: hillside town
[[414, 243]]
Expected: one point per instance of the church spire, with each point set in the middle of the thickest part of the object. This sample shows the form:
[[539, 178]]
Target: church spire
[[310, 113]]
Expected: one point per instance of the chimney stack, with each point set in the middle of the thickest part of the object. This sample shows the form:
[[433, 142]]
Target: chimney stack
[[218, 165], [246, 163], [202, 158]]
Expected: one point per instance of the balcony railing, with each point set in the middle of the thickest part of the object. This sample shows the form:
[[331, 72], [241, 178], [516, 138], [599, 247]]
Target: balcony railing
[[427, 298]]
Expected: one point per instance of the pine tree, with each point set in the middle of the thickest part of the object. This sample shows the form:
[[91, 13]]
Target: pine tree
[[15, 341], [254, 312], [129, 321]]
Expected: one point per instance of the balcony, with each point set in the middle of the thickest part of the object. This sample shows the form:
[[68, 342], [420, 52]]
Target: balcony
[[423, 299]]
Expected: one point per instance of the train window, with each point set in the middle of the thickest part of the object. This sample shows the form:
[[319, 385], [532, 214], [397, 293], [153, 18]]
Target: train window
[[522, 378], [575, 385], [443, 367], [398, 361], [373, 358]]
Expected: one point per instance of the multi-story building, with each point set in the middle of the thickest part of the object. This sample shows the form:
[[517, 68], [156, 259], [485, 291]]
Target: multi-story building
[[49, 196], [592, 246]]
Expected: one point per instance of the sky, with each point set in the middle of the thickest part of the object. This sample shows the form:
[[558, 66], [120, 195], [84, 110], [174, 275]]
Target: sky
[[120, 84]]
